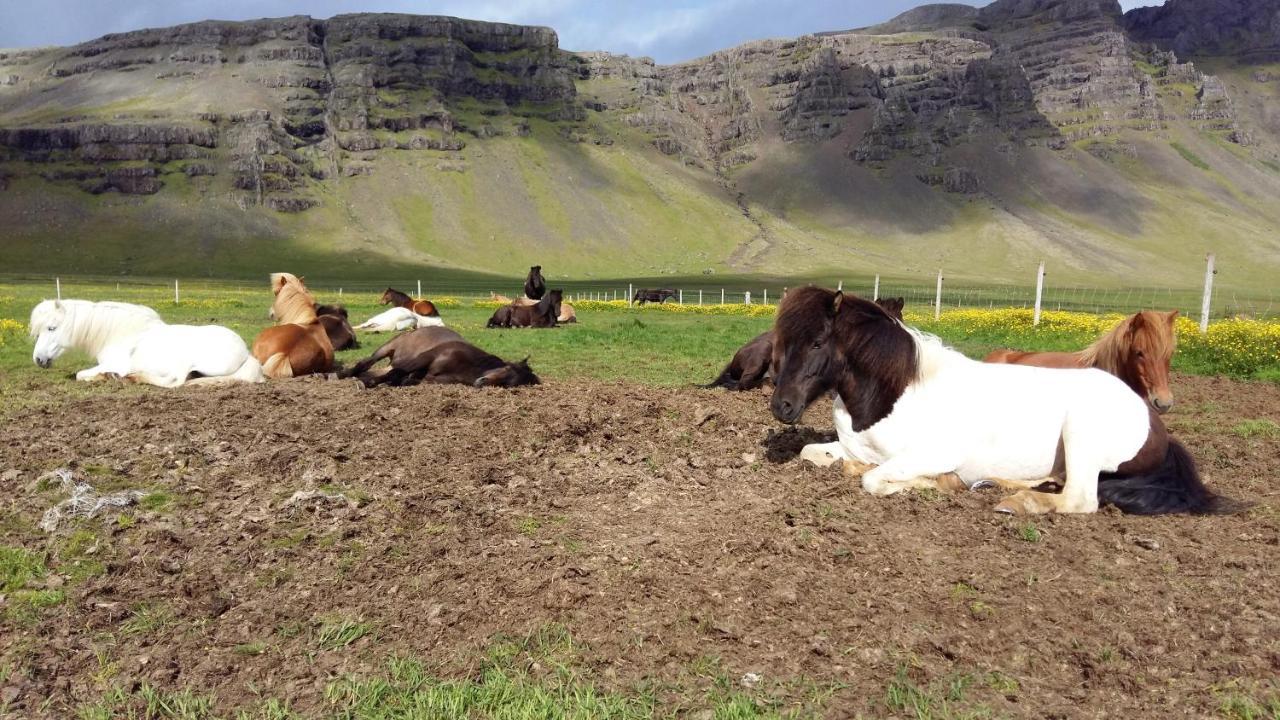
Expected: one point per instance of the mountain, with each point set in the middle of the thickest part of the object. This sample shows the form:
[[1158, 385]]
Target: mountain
[[1118, 147]]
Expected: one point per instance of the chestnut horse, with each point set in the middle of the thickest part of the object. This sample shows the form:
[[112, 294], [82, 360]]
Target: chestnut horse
[[545, 313], [426, 308], [750, 367], [299, 345], [1137, 351]]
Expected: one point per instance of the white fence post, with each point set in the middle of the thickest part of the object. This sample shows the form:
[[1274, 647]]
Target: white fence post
[[875, 291], [746, 298], [175, 291], [721, 296], [630, 294], [681, 296], [840, 286], [937, 299], [699, 296], [339, 292], [766, 296], [419, 288], [1208, 293], [1039, 293], [57, 284]]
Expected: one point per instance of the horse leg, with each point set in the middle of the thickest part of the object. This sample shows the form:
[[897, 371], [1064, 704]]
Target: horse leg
[[905, 471], [823, 454], [1079, 492]]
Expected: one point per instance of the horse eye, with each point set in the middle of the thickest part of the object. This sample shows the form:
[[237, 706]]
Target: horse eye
[[53, 327], [1140, 353]]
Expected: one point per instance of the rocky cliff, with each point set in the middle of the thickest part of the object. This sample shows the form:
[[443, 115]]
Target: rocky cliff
[[1044, 127]]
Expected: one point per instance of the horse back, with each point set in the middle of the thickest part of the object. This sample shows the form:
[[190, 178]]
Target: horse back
[[1038, 359]]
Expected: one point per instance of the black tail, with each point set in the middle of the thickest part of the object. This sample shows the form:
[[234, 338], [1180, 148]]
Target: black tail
[[1174, 487], [726, 380]]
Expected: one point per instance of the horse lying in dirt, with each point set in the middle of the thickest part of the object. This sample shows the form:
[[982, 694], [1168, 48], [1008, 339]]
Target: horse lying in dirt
[[545, 313], [440, 355], [750, 367]]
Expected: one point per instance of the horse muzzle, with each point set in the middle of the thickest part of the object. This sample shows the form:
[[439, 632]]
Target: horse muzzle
[[45, 363], [1161, 405], [785, 411]]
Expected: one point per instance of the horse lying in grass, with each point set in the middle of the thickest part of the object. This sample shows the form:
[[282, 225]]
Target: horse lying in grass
[[132, 342], [544, 313], [924, 414], [1138, 351], [425, 308], [750, 367], [440, 355], [300, 344], [567, 313], [398, 318], [337, 326]]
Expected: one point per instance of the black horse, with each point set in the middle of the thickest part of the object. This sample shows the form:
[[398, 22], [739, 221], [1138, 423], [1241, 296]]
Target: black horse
[[534, 286], [644, 295]]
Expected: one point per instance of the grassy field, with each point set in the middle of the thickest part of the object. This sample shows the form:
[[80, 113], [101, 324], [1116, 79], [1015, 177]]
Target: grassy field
[[655, 346]]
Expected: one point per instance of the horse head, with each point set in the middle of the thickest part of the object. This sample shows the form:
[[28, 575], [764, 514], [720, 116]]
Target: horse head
[[1151, 342], [388, 297], [293, 303], [825, 339], [509, 375], [47, 328]]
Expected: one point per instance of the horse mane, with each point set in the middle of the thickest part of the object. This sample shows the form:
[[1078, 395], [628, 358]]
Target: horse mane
[[91, 326], [294, 303], [1110, 351]]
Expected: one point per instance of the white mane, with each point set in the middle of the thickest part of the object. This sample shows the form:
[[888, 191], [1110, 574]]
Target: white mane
[[92, 326], [932, 355]]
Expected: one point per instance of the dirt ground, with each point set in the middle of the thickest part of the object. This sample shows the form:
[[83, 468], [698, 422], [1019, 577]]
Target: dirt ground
[[667, 529]]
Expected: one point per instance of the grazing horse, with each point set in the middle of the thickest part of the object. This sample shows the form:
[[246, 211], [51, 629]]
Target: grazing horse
[[425, 308], [545, 313], [750, 367], [132, 342], [644, 295], [337, 326], [1138, 351], [439, 355], [398, 318], [534, 286], [299, 345], [921, 410]]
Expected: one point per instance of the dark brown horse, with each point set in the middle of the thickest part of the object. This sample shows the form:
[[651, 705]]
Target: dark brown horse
[[543, 314], [452, 361], [751, 365], [407, 345], [425, 308], [644, 295], [337, 327], [534, 286], [1138, 351]]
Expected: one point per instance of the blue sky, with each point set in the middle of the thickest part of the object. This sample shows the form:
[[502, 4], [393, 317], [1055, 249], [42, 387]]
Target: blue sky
[[667, 30]]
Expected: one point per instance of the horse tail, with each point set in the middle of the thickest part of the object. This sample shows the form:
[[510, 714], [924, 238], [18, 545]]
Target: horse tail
[[725, 380], [278, 366], [1173, 487], [250, 371]]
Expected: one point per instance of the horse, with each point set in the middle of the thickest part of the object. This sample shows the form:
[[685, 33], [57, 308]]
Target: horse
[[644, 295], [425, 308], [749, 368], [545, 313], [337, 326], [132, 342], [1138, 351], [299, 345], [403, 346], [534, 286], [398, 318], [920, 410], [440, 356], [567, 313], [495, 297]]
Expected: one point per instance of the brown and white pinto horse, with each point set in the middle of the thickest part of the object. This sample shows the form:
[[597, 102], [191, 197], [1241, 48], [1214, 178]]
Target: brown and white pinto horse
[[1138, 351], [425, 308], [299, 345]]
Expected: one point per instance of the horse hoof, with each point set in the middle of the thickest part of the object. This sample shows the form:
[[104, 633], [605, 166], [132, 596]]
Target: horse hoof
[[982, 484], [1005, 510]]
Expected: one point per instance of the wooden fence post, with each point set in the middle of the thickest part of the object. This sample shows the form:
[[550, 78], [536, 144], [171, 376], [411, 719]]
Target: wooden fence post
[[1208, 294]]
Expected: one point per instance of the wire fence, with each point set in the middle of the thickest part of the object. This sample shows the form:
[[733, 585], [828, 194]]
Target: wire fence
[[1225, 300]]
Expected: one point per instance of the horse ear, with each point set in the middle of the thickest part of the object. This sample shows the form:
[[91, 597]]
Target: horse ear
[[835, 302], [1172, 315]]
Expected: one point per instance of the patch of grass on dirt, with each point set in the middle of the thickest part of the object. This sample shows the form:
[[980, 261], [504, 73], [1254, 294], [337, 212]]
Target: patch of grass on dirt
[[150, 703], [1256, 428], [1237, 702], [336, 633], [18, 568], [942, 700], [250, 649], [77, 555], [1030, 533], [147, 618], [156, 501]]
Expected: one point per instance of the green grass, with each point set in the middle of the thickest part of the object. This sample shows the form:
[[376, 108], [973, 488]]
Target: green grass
[[1189, 156], [146, 619], [337, 633], [19, 568], [1256, 428], [1030, 533]]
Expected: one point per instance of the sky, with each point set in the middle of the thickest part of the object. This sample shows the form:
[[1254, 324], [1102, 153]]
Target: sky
[[666, 30]]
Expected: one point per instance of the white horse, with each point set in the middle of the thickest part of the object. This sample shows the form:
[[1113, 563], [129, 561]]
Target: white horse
[[398, 318], [132, 342], [919, 410]]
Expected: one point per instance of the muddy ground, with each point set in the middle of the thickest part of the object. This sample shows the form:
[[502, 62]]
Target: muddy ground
[[672, 532]]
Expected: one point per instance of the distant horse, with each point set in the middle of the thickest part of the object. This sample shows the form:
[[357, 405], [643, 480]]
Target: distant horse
[[299, 345], [132, 342], [567, 313], [398, 318], [430, 355], [1138, 351], [750, 367], [426, 308], [534, 285], [495, 297], [404, 347], [545, 313], [921, 410], [337, 326], [660, 296]]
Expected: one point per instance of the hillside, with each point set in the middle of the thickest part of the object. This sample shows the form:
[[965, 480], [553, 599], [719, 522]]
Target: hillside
[[1118, 147]]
